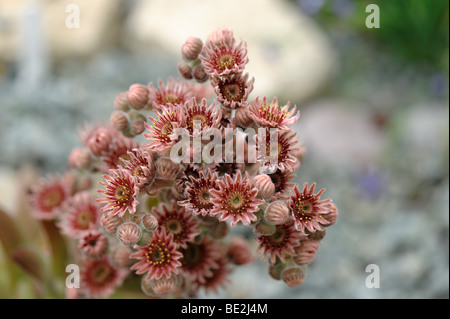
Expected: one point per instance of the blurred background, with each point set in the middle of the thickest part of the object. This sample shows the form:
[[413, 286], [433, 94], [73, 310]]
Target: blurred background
[[373, 102]]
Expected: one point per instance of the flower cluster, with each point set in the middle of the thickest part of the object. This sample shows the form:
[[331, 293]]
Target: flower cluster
[[163, 207]]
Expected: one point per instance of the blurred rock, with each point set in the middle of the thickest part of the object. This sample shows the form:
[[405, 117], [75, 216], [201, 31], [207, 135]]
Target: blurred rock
[[97, 22], [288, 55]]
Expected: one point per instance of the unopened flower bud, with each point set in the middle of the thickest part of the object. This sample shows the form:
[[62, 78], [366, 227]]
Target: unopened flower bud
[[100, 141], [293, 276], [304, 254], [110, 222], [276, 213], [137, 127], [242, 118], [119, 120], [166, 169], [137, 96], [265, 229], [146, 239], [239, 252], [264, 185], [80, 158], [185, 70], [149, 222], [332, 215], [164, 286], [199, 74], [191, 48], [121, 102], [93, 243], [129, 233], [275, 271], [318, 235], [120, 257], [219, 230]]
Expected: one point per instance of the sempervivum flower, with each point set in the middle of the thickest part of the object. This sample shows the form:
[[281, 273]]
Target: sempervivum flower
[[223, 57], [98, 138], [185, 175], [200, 259], [283, 185], [93, 243], [223, 168], [232, 91], [48, 198], [283, 159], [218, 279], [200, 117], [82, 213], [198, 193], [161, 132], [160, 258], [281, 242], [273, 115], [141, 166], [175, 92], [235, 200], [178, 222], [117, 152], [239, 252], [119, 195], [307, 209], [99, 278]]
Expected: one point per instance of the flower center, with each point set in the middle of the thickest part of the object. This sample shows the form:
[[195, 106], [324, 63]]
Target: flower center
[[157, 254], [122, 194], [236, 201], [53, 198], [304, 208], [191, 256], [233, 91], [277, 238], [226, 61], [272, 112], [84, 219], [102, 274], [195, 119], [174, 226], [202, 198], [171, 98]]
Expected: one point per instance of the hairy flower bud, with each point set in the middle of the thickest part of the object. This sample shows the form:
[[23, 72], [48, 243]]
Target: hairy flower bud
[[191, 48], [185, 70], [332, 215], [121, 102], [166, 169], [276, 213], [293, 276], [199, 74], [242, 118], [265, 229], [264, 185], [146, 239], [137, 127], [119, 120], [93, 243], [110, 222], [80, 158], [137, 96], [239, 252], [149, 222], [129, 233], [120, 256], [304, 254]]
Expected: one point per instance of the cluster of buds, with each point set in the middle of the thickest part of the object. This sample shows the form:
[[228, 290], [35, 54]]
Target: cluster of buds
[[164, 207]]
